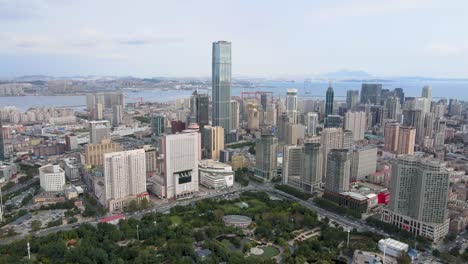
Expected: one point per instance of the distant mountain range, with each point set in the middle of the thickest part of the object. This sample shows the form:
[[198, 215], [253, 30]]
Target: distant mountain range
[[347, 74], [343, 75]]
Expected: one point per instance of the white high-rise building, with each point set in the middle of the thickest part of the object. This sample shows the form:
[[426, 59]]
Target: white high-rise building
[[356, 123], [182, 153], [124, 178], [312, 123], [99, 130], [52, 178], [292, 167], [331, 138]]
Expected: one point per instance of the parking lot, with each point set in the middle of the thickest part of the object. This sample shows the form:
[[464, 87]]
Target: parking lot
[[22, 225]]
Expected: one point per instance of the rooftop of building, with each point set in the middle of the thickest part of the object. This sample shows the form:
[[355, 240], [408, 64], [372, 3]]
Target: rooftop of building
[[355, 195], [213, 164], [394, 244], [51, 168], [237, 218]]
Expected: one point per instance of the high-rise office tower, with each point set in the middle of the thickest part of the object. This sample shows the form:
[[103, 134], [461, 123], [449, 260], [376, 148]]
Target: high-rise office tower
[[270, 115], [203, 106], [181, 155], [406, 140], [264, 101], [234, 115], [99, 130], [370, 93], [391, 136], [338, 170], [312, 123], [356, 122], [291, 104], [419, 196], [312, 161], [221, 82], [376, 113], [384, 94], [429, 120], [265, 153], [124, 178], [400, 95], [427, 92], [193, 107], [117, 115], [415, 118], [393, 108], [199, 107], [329, 101], [282, 126], [292, 165], [331, 138], [213, 141], [352, 99], [363, 162], [157, 124], [2, 143]]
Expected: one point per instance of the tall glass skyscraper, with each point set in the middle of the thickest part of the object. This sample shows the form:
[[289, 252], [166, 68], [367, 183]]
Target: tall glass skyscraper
[[2, 146], [329, 101], [221, 81]]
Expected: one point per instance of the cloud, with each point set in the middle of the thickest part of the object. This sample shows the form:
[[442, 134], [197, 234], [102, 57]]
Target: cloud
[[18, 10], [360, 8], [445, 49], [85, 41]]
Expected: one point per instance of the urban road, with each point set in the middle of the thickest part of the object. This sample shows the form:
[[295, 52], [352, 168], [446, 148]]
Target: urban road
[[347, 223]]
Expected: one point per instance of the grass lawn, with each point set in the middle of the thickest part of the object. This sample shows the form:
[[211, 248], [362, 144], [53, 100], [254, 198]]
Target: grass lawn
[[268, 253], [255, 205], [362, 242], [175, 220]]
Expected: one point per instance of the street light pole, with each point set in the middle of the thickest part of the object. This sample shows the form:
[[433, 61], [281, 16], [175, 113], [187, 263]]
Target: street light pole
[[348, 239], [29, 251], [138, 234]]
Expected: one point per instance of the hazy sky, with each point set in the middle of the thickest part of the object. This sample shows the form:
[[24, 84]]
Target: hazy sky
[[269, 38]]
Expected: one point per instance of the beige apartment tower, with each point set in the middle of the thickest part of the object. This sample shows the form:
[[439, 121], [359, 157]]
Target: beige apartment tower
[[391, 136], [406, 140]]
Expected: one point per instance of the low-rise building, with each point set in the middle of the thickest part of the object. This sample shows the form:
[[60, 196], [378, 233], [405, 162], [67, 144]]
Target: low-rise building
[[241, 221], [392, 247], [215, 175]]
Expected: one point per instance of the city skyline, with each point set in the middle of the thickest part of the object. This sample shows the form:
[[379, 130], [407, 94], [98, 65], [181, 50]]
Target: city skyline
[[307, 40]]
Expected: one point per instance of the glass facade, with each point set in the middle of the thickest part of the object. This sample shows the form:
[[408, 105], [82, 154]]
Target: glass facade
[[221, 82]]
